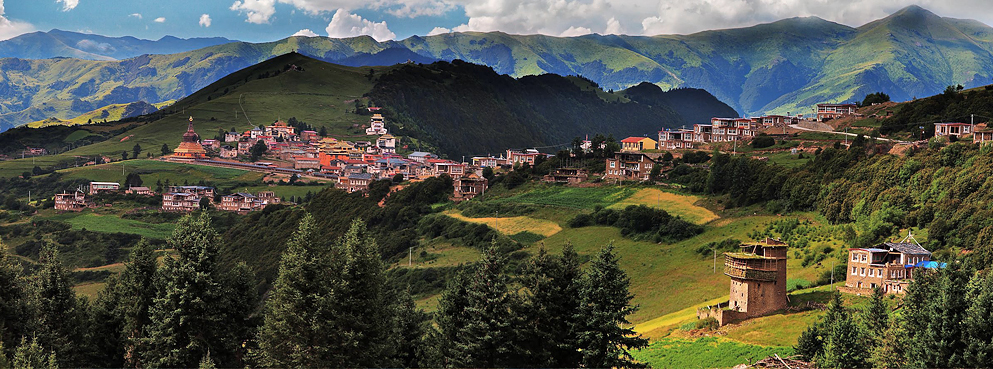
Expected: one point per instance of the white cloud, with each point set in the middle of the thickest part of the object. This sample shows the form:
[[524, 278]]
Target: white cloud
[[305, 33], [205, 20], [136, 15], [575, 31], [613, 27], [160, 20], [345, 24], [439, 31], [68, 5], [90, 45], [10, 29], [258, 11]]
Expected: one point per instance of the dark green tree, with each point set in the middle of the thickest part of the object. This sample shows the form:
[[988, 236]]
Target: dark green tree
[[14, 314], [978, 323], [444, 343], [61, 316], [605, 303], [136, 150], [124, 155], [135, 290], [133, 180], [166, 150], [549, 307], [299, 316], [258, 150], [874, 318], [363, 320], [488, 337], [187, 321], [843, 340], [323, 132]]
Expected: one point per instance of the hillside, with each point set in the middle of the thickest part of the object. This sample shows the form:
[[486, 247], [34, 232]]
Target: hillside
[[469, 109], [108, 113], [435, 107]]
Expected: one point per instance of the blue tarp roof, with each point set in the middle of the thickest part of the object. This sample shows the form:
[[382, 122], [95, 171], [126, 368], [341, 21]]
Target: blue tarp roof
[[929, 265]]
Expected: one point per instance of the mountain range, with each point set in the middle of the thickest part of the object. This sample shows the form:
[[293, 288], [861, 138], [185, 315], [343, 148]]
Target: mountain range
[[786, 66]]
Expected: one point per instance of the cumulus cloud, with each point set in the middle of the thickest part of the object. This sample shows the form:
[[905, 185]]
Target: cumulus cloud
[[258, 11], [136, 15], [305, 33], [439, 31], [345, 24], [10, 29], [160, 20], [575, 31], [68, 5], [205, 20]]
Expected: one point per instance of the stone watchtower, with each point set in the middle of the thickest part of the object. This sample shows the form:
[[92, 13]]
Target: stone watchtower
[[758, 282]]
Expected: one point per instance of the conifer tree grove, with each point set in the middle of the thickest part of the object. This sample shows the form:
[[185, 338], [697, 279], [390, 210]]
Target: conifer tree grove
[[550, 303]]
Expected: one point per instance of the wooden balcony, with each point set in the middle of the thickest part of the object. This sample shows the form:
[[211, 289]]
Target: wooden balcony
[[744, 272]]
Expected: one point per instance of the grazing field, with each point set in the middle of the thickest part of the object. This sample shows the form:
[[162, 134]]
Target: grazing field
[[113, 224], [513, 225], [773, 330], [675, 204], [90, 290], [440, 254], [152, 171], [571, 197], [706, 352]]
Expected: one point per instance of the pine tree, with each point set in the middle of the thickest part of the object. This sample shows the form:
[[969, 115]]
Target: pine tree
[[61, 315], [978, 323], [843, 342], [165, 150], [364, 316], [410, 325], [300, 312], [4, 361], [33, 356], [105, 327], [551, 300], [605, 303], [810, 344], [135, 150], [891, 350], [444, 342], [488, 337], [136, 291], [875, 319], [187, 322], [14, 314]]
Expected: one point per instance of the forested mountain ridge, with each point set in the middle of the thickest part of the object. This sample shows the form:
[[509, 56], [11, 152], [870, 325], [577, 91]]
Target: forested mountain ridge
[[785, 66]]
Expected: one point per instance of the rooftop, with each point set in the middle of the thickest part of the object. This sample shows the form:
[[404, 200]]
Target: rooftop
[[907, 248]]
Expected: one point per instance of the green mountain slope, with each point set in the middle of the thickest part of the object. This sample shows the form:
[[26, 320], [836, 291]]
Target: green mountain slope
[[786, 66], [486, 113]]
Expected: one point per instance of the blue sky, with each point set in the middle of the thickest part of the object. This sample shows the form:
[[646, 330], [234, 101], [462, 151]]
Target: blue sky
[[269, 20]]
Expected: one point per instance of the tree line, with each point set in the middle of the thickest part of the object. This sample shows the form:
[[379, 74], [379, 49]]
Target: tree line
[[944, 321], [333, 304]]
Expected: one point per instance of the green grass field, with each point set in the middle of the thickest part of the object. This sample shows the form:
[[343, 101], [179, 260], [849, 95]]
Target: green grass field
[[571, 197], [110, 223], [152, 171], [706, 352], [673, 203]]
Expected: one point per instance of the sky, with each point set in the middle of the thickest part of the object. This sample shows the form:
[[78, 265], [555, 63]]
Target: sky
[[270, 20]]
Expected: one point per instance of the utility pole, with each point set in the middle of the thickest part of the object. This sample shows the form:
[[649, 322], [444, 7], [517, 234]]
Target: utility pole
[[715, 258]]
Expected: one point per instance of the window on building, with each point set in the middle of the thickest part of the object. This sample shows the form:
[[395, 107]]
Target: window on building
[[855, 257], [611, 164], [855, 271], [862, 272]]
